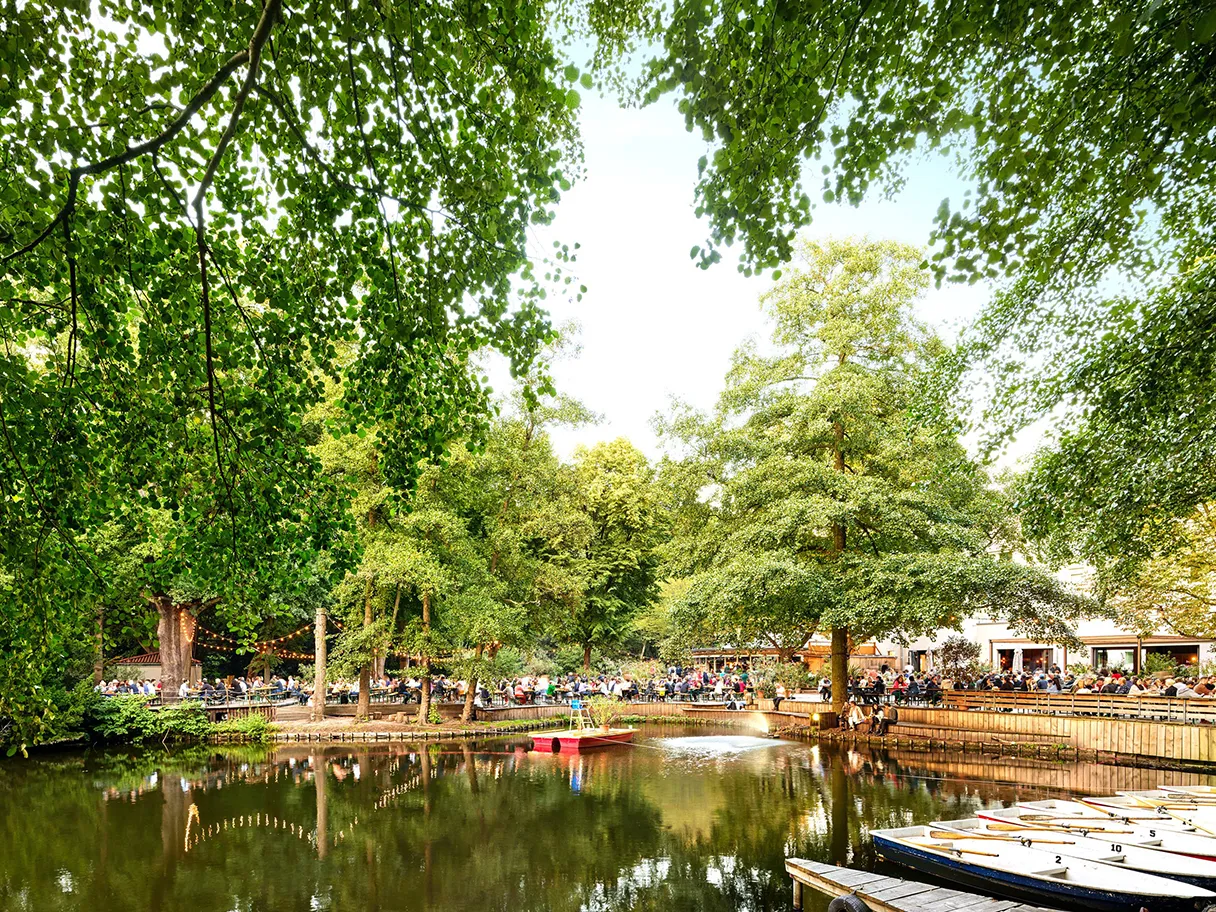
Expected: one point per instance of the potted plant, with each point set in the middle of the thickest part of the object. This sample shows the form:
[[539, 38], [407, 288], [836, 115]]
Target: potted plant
[[761, 678]]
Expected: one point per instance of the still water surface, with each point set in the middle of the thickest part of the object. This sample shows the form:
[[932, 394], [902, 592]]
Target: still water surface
[[679, 821]]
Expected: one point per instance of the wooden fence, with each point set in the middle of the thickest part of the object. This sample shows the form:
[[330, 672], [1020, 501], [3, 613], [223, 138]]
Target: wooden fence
[[1186, 742], [1157, 709]]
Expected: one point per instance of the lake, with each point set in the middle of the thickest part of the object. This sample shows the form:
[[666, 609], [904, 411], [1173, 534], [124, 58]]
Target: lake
[[684, 819]]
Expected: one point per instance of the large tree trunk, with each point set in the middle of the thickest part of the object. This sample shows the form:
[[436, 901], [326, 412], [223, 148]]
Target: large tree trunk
[[472, 691], [586, 658], [175, 630], [319, 682], [364, 707], [424, 707], [99, 658], [840, 635], [840, 668]]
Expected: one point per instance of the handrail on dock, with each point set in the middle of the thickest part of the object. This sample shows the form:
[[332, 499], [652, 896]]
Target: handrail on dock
[[1157, 709]]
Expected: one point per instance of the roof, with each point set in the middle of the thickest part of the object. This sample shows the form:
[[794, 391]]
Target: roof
[[148, 658]]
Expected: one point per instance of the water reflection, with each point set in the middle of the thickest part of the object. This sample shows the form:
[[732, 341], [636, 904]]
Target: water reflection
[[672, 823]]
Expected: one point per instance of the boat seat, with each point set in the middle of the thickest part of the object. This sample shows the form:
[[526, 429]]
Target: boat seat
[[1049, 872]]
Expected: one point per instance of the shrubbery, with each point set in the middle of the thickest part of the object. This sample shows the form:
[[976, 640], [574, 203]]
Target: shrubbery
[[254, 727], [83, 714], [132, 719]]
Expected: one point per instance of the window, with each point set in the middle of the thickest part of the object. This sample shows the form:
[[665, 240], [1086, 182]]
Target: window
[[1112, 657]]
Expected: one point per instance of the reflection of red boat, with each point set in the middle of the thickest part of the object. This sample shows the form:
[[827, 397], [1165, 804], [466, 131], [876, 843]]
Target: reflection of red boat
[[581, 739]]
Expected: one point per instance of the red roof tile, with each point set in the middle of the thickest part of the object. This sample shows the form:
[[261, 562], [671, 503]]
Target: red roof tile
[[148, 658]]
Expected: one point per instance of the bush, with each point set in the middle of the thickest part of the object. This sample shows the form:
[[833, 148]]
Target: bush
[[540, 664], [254, 727], [132, 719], [570, 658], [1157, 662], [794, 675], [507, 663]]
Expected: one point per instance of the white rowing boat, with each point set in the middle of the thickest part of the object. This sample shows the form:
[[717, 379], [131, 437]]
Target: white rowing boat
[[1174, 836], [1111, 848], [1117, 808], [1028, 874]]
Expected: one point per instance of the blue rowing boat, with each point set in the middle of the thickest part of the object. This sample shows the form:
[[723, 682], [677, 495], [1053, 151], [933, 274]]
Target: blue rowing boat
[[1026, 874]]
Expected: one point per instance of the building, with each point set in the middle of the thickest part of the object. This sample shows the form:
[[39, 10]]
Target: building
[[146, 667], [1106, 644]]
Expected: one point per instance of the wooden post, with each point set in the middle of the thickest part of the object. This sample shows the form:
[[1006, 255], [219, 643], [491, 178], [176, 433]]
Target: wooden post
[[797, 893], [319, 683]]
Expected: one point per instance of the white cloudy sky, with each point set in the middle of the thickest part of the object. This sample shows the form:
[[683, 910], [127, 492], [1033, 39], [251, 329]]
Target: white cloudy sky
[[653, 324]]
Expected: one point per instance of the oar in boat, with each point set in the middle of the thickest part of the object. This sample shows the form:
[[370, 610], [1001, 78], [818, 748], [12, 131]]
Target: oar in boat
[[1062, 827], [971, 834]]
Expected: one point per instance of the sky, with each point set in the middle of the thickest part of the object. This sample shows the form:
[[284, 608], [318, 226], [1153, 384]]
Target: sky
[[654, 325]]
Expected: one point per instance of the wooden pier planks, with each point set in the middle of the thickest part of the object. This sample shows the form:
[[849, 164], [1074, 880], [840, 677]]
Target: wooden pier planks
[[891, 894]]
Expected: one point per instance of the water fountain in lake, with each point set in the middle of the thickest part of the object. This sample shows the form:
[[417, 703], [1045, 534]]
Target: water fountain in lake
[[717, 745]]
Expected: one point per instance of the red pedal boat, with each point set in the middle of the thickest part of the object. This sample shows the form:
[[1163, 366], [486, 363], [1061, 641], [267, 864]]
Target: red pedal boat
[[583, 733], [581, 739]]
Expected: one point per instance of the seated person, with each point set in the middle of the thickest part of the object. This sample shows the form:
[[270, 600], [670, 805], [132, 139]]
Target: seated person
[[878, 721]]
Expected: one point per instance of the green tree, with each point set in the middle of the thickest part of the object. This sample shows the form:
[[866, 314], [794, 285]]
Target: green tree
[[204, 214], [516, 499], [1072, 118], [1127, 483], [1175, 588], [822, 496], [614, 552], [1084, 133]]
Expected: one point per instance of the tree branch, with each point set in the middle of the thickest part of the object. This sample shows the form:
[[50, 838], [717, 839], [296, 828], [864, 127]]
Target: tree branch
[[270, 13], [132, 152]]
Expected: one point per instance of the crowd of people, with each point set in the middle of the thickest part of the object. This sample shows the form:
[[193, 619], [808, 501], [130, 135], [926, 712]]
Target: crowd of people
[[1104, 681], [732, 687]]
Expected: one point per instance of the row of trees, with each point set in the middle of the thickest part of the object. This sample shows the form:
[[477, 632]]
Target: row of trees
[[210, 217], [498, 545]]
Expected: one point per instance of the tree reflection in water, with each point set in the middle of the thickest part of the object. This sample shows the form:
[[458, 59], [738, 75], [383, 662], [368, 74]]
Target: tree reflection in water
[[489, 826]]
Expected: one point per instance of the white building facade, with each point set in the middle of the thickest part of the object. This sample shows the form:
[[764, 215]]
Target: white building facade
[[1106, 645]]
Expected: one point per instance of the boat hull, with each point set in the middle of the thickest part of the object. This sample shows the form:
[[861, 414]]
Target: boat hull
[[1035, 891], [577, 741]]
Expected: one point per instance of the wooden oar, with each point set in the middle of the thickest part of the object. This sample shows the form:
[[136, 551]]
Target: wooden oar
[[953, 850], [1209, 829], [1013, 827], [970, 834]]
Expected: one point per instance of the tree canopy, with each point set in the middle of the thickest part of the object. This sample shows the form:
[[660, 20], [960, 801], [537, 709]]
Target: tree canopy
[[817, 496], [1083, 133], [209, 214]]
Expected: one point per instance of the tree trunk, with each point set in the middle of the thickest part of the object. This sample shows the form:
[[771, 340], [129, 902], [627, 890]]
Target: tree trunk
[[840, 635], [382, 661], [587, 658], [175, 630], [472, 691], [424, 708], [319, 682], [840, 667], [364, 707], [99, 661]]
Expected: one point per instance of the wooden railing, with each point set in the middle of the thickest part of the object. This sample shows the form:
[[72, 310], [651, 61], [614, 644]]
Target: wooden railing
[[1162, 709]]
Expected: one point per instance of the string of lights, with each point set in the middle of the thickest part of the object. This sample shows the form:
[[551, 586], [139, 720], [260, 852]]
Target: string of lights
[[281, 653], [262, 644]]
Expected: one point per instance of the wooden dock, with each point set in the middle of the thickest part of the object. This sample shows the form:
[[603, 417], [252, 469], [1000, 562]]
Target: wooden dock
[[891, 894]]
